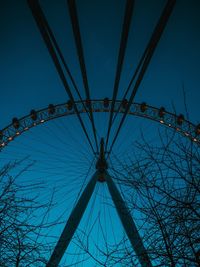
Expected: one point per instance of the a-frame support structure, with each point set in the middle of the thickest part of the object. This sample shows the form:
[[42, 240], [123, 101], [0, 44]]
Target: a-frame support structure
[[130, 228]]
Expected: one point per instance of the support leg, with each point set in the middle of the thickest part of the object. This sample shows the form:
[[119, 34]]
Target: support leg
[[72, 223], [128, 223]]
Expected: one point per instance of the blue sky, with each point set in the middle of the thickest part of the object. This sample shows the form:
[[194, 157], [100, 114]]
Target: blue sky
[[28, 78]]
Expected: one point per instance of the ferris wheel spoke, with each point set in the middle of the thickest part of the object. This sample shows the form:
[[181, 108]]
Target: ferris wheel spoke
[[69, 132], [99, 198], [43, 153], [66, 199], [60, 164]]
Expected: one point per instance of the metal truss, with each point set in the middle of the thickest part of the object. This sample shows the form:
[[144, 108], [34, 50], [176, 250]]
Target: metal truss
[[176, 122]]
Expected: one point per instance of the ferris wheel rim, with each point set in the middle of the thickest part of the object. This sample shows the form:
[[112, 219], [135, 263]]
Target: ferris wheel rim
[[171, 120]]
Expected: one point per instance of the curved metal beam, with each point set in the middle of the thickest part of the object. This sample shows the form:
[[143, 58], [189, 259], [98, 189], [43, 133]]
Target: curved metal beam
[[187, 129]]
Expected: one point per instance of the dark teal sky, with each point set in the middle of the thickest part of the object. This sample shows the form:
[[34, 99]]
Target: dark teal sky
[[28, 78]]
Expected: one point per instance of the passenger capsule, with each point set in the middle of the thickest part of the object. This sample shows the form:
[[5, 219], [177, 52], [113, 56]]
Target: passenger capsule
[[15, 123], [88, 103], [180, 119], [143, 107], [124, 103], [106, 102], [161, 112], [33, 115], [1, 135], [51, 109], [197, 130], [70, 105]]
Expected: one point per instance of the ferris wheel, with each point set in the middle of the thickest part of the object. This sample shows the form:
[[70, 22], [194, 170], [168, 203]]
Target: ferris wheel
[[74, 147]]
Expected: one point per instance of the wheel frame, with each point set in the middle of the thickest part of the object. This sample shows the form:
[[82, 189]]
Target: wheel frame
[[18, 126]]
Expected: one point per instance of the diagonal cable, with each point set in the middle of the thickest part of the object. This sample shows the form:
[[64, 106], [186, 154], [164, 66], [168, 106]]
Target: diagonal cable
[[79, 48], [59, 53], [39, 18], [150, 50], [131, 82], [138, 66], [123, 44]]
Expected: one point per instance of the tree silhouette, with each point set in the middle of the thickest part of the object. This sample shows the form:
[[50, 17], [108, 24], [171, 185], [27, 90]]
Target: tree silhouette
[[163, 186], [20, 227]]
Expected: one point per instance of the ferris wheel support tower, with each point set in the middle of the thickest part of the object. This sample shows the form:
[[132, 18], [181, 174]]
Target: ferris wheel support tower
[[101, 175]]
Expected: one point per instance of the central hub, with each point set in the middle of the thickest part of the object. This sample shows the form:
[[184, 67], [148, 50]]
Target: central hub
[[101, 164]]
